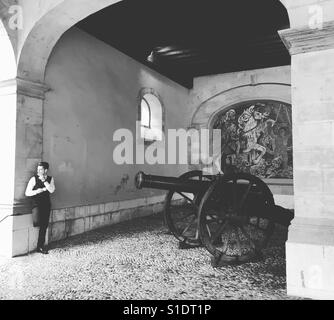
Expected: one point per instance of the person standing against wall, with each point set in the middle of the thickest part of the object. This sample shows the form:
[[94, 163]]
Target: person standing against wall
[[39, 188]]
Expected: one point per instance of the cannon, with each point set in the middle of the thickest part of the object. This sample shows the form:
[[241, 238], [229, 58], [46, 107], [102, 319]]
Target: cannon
[[232, 215]]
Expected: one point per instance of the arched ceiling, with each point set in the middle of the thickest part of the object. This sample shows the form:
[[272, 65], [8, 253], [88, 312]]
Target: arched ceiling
[[183, 39]]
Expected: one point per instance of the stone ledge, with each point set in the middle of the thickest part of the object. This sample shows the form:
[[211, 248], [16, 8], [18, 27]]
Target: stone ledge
[[284, 200], [278, 181], [306, 39], [31, 88], [156, 199], [278, 190]]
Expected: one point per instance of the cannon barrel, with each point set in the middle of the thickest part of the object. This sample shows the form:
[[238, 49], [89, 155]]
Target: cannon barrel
[[143, 180]]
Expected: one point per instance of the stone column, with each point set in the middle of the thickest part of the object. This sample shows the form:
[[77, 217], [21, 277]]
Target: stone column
[[21, 137], [310, 245]]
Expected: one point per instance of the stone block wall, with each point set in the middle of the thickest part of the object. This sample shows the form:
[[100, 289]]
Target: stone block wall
[[25, 235], [71, 221], [67, 222]]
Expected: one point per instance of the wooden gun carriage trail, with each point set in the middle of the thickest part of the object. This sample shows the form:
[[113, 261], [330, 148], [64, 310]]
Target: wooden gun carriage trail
[[232, 215]]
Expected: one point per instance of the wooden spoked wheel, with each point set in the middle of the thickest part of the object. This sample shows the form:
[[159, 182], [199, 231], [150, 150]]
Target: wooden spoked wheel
[[234, 223], [181, 212]]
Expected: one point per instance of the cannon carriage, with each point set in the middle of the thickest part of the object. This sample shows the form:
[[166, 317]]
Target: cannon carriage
[[232, 215]]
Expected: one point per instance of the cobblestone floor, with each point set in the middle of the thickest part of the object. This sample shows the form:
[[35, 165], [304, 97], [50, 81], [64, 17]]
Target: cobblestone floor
[[139, 260]]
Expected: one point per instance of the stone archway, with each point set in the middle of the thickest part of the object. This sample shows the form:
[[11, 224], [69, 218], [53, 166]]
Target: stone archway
[[206, 113], [234, 95], [33, 56], [48, 30]]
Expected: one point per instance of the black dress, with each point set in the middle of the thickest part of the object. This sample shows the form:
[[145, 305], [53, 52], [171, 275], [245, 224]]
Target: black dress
[[41, 207]]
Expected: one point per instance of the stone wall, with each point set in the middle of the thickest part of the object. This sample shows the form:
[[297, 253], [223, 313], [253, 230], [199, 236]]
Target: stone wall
[[94, 92], [75, 220]]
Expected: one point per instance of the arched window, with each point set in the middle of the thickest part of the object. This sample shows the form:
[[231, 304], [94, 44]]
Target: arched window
[[145, 113], [150, 116]]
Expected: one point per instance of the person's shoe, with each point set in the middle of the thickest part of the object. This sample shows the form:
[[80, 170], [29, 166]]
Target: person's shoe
[[42, 250]]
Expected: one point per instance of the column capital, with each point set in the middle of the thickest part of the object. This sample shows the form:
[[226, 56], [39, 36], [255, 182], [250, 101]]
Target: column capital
[[31, 88], [16, 208], [306, 39], [25, 87]]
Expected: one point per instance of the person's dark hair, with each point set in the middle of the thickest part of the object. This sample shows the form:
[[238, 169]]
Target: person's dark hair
[[43, 164]]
